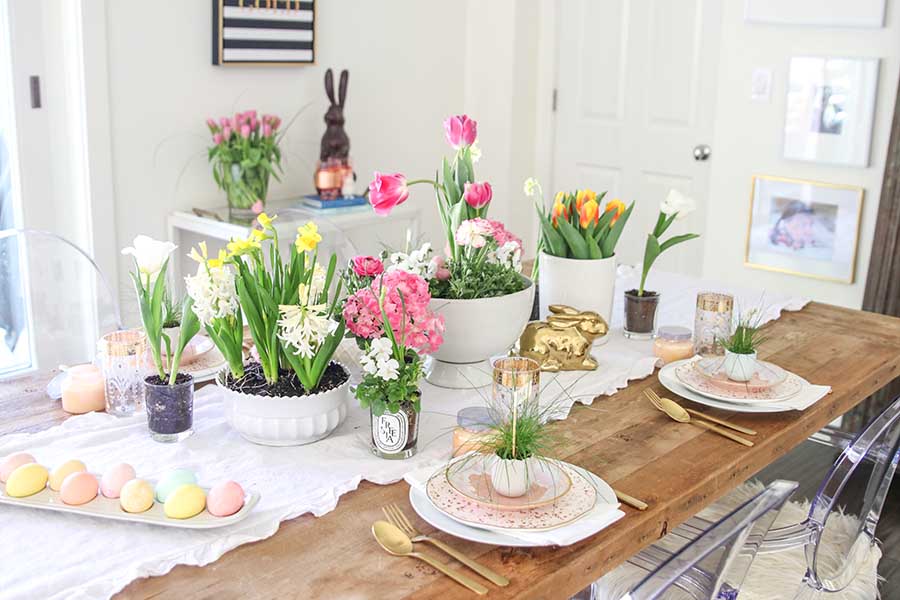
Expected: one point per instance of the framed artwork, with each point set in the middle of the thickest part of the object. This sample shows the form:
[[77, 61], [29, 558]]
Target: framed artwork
[[263, 32], [805, 228], [830, 108], [816, 13]]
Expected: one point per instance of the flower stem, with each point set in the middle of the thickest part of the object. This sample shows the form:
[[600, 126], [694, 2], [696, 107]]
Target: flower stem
[[415, 181]]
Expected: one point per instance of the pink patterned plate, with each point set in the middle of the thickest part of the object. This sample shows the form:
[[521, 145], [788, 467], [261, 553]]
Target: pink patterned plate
[[765, 377], [714, 387], [569, 508], [471, 477]]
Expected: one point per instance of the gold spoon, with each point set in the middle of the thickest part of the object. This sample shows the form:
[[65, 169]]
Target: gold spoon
[[398, 543], [677, 413]]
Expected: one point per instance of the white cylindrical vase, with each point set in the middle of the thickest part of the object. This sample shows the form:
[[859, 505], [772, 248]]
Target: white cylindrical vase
[[583, 284]]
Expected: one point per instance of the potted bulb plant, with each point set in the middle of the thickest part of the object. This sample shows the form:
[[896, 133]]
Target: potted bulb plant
[[168, 397], [480, 281], [577, 243], [741, 347], [294, 393], [388, 313], [641, 304]]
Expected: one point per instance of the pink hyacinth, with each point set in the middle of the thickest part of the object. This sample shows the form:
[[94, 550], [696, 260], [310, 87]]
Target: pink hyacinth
[[406, 299]]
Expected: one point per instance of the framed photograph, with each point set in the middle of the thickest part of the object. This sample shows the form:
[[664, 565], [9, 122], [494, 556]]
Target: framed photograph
[[806, 228], [830, 108], [816, 13], [263, 32]]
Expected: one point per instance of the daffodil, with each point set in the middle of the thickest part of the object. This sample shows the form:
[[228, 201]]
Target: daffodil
[[532, 187], [238, 246], [201, 256], [265, 220], [258, 235], [307, 237], [217, 263]]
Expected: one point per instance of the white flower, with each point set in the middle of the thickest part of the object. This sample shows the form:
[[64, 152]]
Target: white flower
[[305, 327], [388, 369], [368, 364], [213, 292], [678, 204], [475, 152], [381, 347], [532, 187], [510, 254], [150, 255], [417, 262], [472, 233], [379, 360]]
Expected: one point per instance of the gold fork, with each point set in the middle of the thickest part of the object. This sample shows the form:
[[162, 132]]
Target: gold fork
[[700, 415], [396, 516]]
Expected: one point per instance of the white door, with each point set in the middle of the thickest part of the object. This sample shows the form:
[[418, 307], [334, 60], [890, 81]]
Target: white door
[[635, 96]]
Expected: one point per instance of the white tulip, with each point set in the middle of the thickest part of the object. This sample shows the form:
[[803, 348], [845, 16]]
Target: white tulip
[[677, 204], [150, 255]]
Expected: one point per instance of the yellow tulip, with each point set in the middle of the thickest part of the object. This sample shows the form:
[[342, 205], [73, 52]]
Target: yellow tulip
[[589, 213], [616, 205], [583, 195]]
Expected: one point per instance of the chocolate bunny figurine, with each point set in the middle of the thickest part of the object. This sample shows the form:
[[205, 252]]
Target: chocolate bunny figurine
[[335, 143]]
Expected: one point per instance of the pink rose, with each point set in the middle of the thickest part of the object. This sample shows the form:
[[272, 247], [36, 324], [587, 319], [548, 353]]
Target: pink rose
[[387, 191], [217, 139], [478, 195], [245, 131], [460, 131], [367, 266]]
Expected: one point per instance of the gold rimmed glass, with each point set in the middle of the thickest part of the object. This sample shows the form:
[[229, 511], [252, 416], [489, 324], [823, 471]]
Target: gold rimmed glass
[[122, 356]]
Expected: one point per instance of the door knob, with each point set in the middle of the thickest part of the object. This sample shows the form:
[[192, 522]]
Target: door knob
[[701, 152]]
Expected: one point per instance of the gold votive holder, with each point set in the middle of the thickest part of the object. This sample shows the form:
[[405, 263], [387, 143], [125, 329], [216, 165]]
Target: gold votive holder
[[122, 362], [712, 322]]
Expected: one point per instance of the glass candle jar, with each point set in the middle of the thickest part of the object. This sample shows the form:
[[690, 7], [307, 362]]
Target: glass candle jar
[[83, 390], [474, 426], [712, 322], [673, 343]]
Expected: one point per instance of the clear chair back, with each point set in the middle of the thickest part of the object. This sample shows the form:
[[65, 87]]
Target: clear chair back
[[714, 565], [55, 303]]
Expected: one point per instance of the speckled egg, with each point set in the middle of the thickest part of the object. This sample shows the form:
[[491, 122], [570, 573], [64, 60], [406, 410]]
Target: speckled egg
[[13, 462], [27, 480], [171, 480], [225, 499], [185, 501], [114, 478], [136, 496], [59, 474], [78, 488]]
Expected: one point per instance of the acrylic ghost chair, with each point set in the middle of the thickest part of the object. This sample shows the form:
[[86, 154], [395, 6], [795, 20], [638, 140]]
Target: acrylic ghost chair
[[712, 565]]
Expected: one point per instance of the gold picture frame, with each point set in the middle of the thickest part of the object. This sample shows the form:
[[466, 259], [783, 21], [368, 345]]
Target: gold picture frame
[[841, 202]]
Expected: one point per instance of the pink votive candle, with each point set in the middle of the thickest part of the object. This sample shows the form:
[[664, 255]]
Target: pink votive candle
[[83, 390], [673, 343]]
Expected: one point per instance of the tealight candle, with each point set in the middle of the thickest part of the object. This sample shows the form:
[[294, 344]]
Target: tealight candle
[[473, 428], [83, 390], [673, 343]]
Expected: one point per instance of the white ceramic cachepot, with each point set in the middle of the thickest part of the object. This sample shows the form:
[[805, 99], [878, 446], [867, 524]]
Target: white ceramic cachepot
[[285, 421], [474, 331], [510, 477], [581, 284], [739, 367]]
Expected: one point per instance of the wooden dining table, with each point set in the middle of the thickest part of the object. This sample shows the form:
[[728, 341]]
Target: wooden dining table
[[676, 468]]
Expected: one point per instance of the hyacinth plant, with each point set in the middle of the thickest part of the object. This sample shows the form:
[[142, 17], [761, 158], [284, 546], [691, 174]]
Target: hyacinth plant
[[388, 314], [483, 259], [292, 308]]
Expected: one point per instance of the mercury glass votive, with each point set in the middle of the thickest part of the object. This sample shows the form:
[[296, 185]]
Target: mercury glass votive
[[712, 322], [516, 382], [122, 362]]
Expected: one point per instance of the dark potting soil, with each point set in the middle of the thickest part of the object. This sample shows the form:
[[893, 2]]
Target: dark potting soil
[[170, 408], [254, 382], [639, 315], [179, 379]]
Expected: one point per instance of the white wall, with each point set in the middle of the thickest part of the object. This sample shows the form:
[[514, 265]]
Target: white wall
[[748, 140]]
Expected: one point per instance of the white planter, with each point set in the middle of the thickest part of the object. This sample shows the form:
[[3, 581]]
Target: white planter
[[739, 367], [285, 421], [581, 284], [510, 477], [474, 331]]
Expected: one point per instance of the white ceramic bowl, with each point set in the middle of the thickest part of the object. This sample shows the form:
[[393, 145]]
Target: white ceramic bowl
[[285, 421]]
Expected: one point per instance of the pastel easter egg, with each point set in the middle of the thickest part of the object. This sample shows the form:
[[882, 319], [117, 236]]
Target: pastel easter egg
[[171, 480], [114, 478], [27, 480], [136, 496], [186, 501], [78, 488], [225, 499], [13, 462], [59, 474]]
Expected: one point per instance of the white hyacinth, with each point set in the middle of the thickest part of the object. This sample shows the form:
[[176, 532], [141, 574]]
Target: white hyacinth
[[379, 360], [213, 292], [305, 327]]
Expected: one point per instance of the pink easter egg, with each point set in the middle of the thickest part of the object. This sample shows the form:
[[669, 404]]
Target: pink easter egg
[[13, 462], [225, 499], [114, 478], [78, 488]]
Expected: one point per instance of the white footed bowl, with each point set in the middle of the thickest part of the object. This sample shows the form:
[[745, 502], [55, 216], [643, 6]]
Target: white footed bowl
[[285, 421], [474, 331]]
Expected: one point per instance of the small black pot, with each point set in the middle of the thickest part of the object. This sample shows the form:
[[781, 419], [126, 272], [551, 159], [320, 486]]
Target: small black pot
[[640, 314], [170, 408]]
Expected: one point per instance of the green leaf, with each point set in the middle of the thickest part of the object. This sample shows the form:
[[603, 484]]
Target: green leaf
[[677, 240], [608, 247], [651, 252], [593, 248], [574, 239], [450, 187], [551, 238]]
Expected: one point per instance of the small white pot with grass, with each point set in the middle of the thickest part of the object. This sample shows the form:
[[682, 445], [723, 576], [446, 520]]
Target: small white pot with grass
[[740, 349], [739, 367], [511, 477]]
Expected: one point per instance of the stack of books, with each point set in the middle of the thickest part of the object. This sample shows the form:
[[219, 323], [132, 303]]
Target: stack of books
[[314, 201]]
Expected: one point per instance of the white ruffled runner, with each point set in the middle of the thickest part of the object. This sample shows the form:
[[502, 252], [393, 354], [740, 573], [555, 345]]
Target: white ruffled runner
[[80, 557]]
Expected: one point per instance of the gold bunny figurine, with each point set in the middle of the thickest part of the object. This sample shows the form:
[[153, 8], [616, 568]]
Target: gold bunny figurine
[[563, 342]]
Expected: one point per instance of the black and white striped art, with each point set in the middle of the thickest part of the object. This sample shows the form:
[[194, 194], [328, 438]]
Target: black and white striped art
[[254, 32]]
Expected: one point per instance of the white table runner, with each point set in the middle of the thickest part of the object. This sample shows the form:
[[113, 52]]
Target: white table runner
[[79, 557]]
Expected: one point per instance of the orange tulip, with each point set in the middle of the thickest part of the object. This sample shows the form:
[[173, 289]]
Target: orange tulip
[[616, 205], [559, 209], [589, 213], [581, 196]]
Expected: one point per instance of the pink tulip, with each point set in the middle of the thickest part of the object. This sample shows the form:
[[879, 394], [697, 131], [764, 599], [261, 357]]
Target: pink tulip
[[211, 123], [367, 266], [460, 131], [217, 139], [267, 130], [254, 124], [387, 191], [250, 114], [276, 122], [257, 207], [224, 121], [245, 131], [478, 195], [226, 132]]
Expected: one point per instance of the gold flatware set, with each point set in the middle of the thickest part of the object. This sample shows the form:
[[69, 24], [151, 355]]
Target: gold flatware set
[[676, 412]]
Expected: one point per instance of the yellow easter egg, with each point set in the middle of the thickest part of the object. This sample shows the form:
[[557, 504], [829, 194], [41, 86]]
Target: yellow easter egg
[[59, 474], [136, 496], [27, 480], [185, 502]]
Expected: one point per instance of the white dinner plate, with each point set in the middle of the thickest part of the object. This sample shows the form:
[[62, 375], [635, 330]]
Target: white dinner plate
[[688, 376], [425, 509], [669, 381]]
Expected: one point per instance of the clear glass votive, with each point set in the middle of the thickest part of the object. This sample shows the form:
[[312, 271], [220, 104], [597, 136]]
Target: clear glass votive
[[516, 382], [122, 363], [712, 322]]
